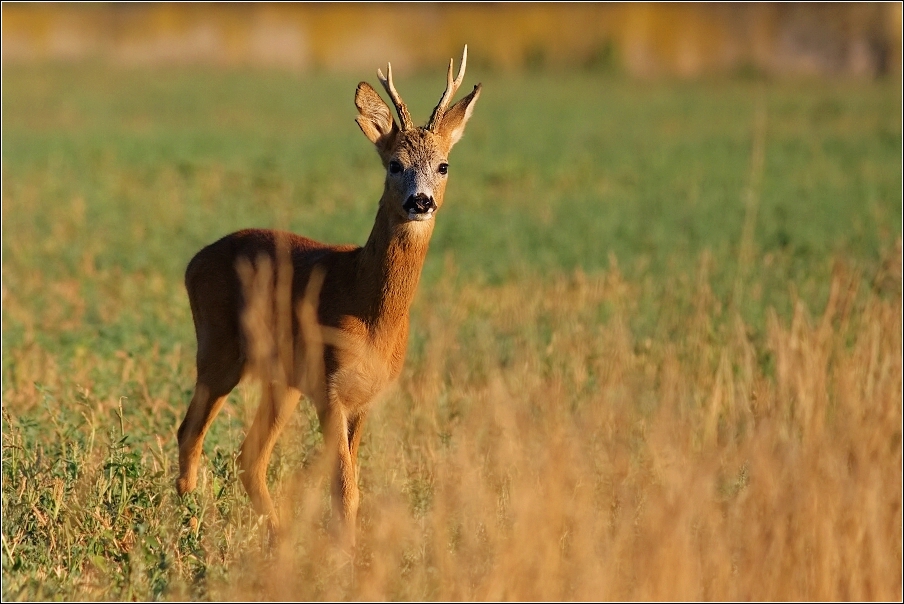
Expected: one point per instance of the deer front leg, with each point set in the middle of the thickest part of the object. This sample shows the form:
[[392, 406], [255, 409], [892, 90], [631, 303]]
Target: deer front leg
[[355, 430], [275, 408], [341, 436]]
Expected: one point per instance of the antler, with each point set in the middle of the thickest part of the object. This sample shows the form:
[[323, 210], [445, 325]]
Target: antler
[[404, 116], [451, 89]]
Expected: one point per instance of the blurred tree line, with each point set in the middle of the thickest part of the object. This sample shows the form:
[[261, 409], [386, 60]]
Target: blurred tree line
[[642, 40]]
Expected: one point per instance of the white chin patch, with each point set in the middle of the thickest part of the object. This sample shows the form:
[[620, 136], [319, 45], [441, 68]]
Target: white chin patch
[[414, 216]]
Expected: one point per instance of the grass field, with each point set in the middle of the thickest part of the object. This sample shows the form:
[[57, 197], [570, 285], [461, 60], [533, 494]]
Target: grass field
[[656, 351]]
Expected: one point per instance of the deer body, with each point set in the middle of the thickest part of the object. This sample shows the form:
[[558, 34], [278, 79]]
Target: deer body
[[353, 346]]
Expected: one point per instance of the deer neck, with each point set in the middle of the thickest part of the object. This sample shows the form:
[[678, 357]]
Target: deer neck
[[389, 268]]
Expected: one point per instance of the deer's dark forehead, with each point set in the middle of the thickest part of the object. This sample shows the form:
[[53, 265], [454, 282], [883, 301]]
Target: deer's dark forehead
[[420, 145]]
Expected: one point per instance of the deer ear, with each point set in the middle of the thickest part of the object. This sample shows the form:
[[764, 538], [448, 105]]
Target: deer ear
[[374, 118], [452, 124]]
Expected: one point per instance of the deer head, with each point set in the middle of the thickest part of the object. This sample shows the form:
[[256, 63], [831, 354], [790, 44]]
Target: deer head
[[416, 158]]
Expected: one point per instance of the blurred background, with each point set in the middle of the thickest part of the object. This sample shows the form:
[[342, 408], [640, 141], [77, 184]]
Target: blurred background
[[644, 40]]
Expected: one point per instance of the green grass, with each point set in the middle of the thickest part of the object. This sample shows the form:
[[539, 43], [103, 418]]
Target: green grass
[[112, 179], [135, 170]]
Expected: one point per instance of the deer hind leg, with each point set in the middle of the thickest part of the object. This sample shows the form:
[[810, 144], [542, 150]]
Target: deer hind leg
[[276, 406], [218, 374]]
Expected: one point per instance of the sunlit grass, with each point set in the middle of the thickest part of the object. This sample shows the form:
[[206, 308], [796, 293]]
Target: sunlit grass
[[593, 407]]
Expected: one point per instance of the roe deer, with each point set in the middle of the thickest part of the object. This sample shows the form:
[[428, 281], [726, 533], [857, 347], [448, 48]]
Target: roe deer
[[360, 295]]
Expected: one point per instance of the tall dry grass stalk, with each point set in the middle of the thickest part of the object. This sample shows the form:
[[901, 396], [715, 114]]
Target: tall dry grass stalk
[[547, 454]]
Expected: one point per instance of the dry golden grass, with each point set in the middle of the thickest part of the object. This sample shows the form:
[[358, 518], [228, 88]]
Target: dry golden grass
[[658, 433], [530, 451], [550, 456]]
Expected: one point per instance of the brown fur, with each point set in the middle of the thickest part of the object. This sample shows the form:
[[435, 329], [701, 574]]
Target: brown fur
[[343, 355]]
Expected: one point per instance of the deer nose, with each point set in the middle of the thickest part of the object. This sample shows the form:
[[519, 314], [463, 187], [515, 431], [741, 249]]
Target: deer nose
[[419, 204]]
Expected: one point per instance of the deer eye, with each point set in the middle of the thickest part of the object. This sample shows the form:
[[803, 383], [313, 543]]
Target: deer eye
[[444, 168], [395, 167]]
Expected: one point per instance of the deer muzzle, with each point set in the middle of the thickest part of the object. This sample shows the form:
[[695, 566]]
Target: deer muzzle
[[419, 207]]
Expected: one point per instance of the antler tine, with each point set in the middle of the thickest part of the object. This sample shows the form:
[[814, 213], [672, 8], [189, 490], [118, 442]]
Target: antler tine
[[452, 87], [404, 116]]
